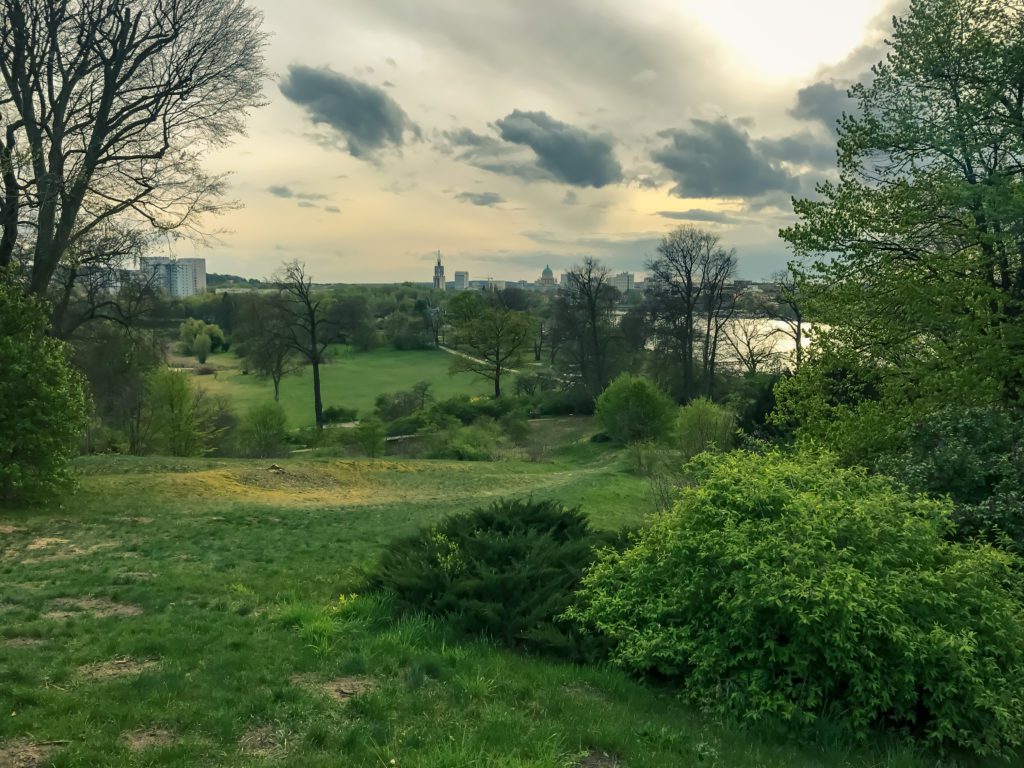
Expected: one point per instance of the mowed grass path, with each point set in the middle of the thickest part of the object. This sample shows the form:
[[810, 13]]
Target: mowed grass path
[[185, 612], [352, 379]]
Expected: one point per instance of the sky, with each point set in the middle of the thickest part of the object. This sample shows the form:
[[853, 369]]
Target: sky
[[512, 134]]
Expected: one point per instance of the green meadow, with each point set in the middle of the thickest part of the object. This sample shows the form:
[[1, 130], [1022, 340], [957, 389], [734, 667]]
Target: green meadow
[[351, 379], [196, 612]]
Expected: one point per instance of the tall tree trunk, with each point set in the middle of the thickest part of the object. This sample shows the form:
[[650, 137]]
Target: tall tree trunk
[[318, 403]]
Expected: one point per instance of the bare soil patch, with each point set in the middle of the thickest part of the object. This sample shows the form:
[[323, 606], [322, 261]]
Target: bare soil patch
[[23, 642], [148, 738], [7, 530], [100, 607], [263, 741], [340, 688], [597, 759], [44, 543], [107, 670], [26, 754]]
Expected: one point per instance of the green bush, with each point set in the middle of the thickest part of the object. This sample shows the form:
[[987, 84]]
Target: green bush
[[339, 414], [507, 571], [264, 431], [704, 426], [787, 587], [43, 404], [371, 436], [633, 409], [179, 419], [478, 442], [976, 457]]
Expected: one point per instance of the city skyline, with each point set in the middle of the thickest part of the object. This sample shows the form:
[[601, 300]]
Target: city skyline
[[518, 134]]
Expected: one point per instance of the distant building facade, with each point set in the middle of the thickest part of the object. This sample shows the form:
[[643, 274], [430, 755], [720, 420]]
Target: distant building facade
[[439, 283], [462, 281], [547, 278], [624, 281], [176, 277]]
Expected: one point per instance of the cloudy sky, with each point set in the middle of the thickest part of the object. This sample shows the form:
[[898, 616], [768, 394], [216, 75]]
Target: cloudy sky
[[514, 133]]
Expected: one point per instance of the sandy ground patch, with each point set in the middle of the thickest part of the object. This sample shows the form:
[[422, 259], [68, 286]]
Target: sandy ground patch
[[100, 607], [340, 688], [148, 738], [106, 670], [7, 530], [22, 753]]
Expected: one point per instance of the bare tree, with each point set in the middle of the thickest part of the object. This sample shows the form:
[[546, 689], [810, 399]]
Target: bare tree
[[752, 341], [311, 329], [585, 322], [688, 280], [107, 109], [719, 306], [787, 306]]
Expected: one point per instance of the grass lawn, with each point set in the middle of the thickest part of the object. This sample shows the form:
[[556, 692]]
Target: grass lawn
[[186, 612], [352, 379]]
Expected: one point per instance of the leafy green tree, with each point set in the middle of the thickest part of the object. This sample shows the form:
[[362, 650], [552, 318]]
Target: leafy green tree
[[915, 253], [43, 403], [786, 588], [491, 337], [634, 409], [201, 346], [265, 341], [181, 419]]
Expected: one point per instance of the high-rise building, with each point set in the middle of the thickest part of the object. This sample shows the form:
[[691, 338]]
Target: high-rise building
[[623, 281], [439, 274], [461, 281], [177, 277]]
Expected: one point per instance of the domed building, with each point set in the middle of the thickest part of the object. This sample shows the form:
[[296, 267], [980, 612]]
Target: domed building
[[547, 278]]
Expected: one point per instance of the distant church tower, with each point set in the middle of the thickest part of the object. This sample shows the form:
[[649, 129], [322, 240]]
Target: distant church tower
[[439, 273]]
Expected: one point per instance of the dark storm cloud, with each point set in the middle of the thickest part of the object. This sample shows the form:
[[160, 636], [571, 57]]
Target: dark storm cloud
[[365, 116], [803, 148], [822, 102], [719, 159], [569, 154], [699, 214], [489, 199]]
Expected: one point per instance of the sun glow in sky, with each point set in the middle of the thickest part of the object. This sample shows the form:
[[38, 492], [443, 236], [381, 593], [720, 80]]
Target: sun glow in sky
[[511, 134]]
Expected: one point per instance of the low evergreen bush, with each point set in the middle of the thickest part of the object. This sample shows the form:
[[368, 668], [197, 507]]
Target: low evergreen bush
[[507, 571], [786, 587]]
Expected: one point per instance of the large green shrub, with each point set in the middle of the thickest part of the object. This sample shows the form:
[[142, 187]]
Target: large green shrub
[[507, 571], [704, 426], [43, 405], [264, 430], [634, 409], [179, 418], [788, 587]]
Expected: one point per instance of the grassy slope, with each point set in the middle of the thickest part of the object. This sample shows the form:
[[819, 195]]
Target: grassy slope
[[235, 569], [352, 379]]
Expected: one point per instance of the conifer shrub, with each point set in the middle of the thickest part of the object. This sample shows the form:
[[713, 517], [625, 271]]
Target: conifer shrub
[[507, 571], [787, 588]]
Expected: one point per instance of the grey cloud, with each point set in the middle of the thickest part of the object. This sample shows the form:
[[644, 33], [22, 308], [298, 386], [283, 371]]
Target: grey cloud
[[307, 204], [822, 102], [801, 149], [365, 116], [570, 198], [568, 153], [718, 159], [488, 199], [332, 209], [282, 190], [699, 214]]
